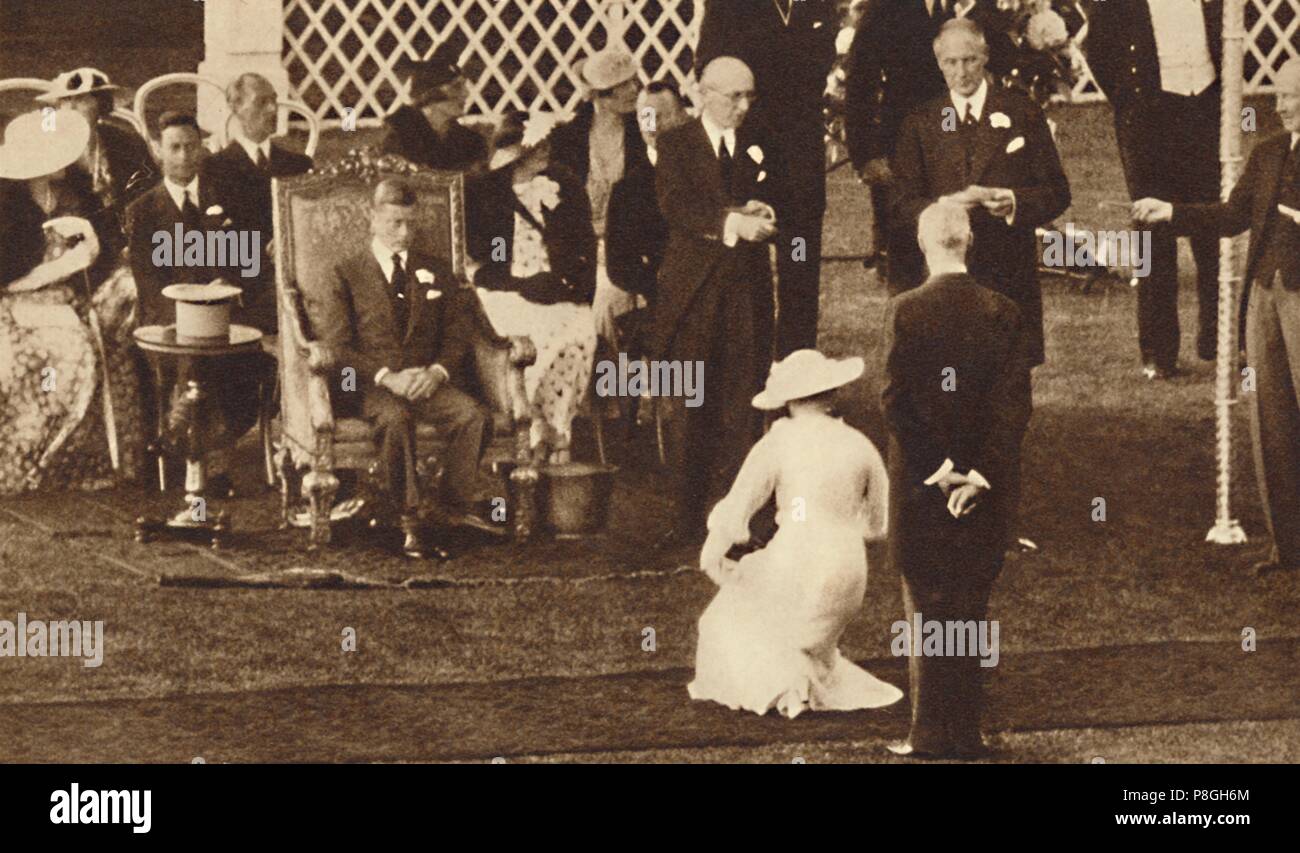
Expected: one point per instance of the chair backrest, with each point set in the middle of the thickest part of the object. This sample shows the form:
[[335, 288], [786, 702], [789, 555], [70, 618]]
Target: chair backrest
[[322, 217]]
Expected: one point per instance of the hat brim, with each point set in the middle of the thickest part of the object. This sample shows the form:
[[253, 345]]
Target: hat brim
[[842, 372], [25, 158], [201, 294], [56, 95]]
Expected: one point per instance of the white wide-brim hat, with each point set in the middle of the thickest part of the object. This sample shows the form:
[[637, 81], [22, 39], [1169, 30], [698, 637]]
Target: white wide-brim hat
[[38, 144], [804, 373], [607, 69], [78, 81]]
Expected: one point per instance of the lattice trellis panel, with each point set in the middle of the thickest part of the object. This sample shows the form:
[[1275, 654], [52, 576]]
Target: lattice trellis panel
[[520, 53], [339, 53]]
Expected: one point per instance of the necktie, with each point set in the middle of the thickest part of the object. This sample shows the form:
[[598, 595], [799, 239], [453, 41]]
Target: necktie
[[969, 126], [401, 308], [724, 160], [190, 212], [262, 163]]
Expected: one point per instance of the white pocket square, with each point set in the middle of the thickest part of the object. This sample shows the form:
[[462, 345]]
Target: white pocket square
[[1015, 145]]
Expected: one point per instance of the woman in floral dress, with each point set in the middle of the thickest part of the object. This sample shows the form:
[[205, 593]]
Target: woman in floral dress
[[70, 414], [533, 254]]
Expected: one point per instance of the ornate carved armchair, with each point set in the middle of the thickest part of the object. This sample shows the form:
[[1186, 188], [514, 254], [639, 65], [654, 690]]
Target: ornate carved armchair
[[319, 218]]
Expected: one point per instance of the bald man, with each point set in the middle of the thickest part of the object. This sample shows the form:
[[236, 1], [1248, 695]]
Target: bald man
[[718, 181], [1267, 201], [956, 402]]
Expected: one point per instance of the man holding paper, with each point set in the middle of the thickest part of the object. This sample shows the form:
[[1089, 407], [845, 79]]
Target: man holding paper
[[1267, 201], [990, 151]]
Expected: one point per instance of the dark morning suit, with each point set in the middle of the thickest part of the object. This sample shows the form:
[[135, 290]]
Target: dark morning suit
[[490, 208], [891, 70], [714, 305], [408, 134], [948, 565], [790, 64], [234, 381], [1271, 177], [635, 232], [1169, 145], [247, 187], [930, 161], [356, 315]]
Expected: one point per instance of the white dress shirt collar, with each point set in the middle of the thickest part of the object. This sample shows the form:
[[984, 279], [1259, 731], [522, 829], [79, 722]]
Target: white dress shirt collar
[[177, 192], [252, 147], [384, 256], [717, 133], [976, 101], [951, 268]]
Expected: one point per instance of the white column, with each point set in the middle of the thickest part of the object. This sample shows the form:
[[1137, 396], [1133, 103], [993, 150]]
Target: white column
[[239, 36]]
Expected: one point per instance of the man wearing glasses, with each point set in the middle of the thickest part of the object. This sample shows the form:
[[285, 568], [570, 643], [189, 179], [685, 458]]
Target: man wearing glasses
[[718, 181], [789, 45]]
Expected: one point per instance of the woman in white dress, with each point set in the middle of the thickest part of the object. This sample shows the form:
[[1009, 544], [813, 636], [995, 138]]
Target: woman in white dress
[[769, 639]]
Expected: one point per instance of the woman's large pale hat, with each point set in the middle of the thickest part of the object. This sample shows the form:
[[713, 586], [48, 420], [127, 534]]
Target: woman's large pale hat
[[804, 373], [40, 143], [607, 69], [78, 81]]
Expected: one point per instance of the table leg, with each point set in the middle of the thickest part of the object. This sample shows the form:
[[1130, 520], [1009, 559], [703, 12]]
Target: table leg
[[196, 520]]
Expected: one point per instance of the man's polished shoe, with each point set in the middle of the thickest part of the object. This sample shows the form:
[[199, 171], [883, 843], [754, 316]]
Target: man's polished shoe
[[476, 517], [414, 545], [971, 751], [904, 749]]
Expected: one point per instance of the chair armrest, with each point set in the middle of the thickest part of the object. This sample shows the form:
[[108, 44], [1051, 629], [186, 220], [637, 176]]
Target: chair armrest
[[319, 407]]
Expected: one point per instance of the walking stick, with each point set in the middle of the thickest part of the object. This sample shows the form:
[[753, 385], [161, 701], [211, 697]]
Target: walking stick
[[97, 337]]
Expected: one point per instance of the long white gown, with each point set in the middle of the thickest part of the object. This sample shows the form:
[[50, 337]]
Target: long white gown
[[769, 639]]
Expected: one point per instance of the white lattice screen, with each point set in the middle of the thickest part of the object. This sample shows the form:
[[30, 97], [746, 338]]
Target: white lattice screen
[[520, 53], [339, 53]]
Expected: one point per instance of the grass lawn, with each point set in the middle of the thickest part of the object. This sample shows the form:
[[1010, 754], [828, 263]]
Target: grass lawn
[[1141, 578]]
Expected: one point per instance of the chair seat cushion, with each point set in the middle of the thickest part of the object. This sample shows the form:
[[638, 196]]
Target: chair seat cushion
[[360, 429]]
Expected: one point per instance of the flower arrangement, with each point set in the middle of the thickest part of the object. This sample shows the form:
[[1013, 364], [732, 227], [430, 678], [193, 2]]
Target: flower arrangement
[[1045, 36]]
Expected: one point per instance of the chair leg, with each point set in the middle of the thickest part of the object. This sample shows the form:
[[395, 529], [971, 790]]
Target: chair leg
[[598, 421], [290, 487], [320, 487], [264, 418], [659, 434]]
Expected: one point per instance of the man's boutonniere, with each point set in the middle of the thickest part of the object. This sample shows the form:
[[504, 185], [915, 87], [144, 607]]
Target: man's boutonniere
[[218, 210], [755, 153], [1000, 120]]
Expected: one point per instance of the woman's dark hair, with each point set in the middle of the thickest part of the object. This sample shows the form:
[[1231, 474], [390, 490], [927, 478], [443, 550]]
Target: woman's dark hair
[[827, 397], [657, 86]]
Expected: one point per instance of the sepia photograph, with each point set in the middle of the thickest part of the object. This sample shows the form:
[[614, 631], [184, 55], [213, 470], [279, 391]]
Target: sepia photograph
[[872, 382]]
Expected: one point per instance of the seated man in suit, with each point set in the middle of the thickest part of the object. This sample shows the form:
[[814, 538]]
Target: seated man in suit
[[399, 318], [185, 202], [244, 169]]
